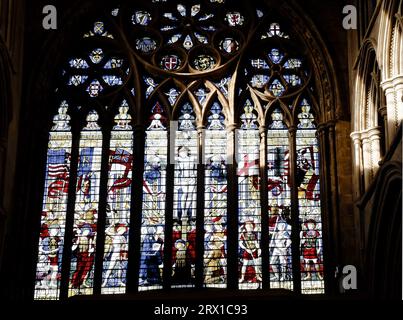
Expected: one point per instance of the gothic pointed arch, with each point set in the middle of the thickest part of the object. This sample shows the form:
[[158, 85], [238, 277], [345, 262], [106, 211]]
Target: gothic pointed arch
[[160, 91]]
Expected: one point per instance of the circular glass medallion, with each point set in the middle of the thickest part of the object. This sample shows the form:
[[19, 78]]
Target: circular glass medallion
[[141, 18], [203, 62], [146, 45], [234, 19], [170, 62], [229, 45]]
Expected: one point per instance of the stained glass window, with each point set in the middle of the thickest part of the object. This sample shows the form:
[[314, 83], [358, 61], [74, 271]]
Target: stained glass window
[[53, 216], [154, 200], [181, 79], [185, 196], [308, 183], [215, 203], [249, 215], [118, 205], [279, 202], [83, 246]]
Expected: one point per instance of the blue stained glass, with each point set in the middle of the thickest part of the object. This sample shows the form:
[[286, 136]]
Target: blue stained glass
[[86, 209], [94, 89], [292, 64], [216, 119], [154, 193], [96, 55], [76, 80], [276, 88], [223, 85], [259, 80], [206, 17], [112, 80], [142, 18], [215, 202], [54, 208], [185, 192], [174, 38], [173, 95], [169, 16], [249, 221], [146, 45], [201, 95], [113, 63], [79, 63], [259, 64], [181, 9], [118, 205], [279, 200], [276, 56], [292, 79], [151, 85], [308, 183]]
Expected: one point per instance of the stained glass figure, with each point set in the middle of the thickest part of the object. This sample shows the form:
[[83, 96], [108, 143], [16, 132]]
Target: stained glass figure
[[154, 197], [279, 200], [186, 29], [215, 202], [118, 204], [54, 208], [81, 280], [308, 183], [249, 213], [184, 215]]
